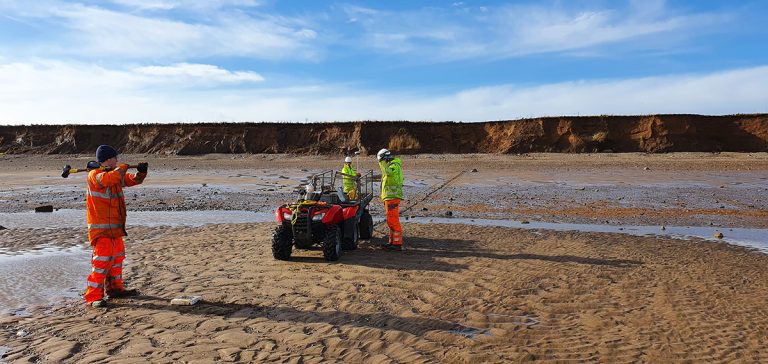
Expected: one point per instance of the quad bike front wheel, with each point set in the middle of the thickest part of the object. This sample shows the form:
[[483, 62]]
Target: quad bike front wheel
[[332, 243], [282, 242]]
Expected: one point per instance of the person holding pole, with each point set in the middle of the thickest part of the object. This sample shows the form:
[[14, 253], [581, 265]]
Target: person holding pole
[[391, 194]]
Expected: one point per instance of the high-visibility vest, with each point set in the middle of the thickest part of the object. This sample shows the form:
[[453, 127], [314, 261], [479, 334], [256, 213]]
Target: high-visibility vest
[[391, 179], [349, 182], [105, 202]]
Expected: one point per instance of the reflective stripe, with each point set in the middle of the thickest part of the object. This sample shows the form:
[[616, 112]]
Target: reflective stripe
[[102, 258], [98, 180], [117, 266], [95, 285], [108, 194], [120, 254], [115, 278], [100, 271], [104, 226]]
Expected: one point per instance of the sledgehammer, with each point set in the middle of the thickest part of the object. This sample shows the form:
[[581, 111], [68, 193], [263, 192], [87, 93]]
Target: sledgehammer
[[89, 167]]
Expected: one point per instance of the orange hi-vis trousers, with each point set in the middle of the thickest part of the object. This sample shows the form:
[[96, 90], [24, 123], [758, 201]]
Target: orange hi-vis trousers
[[393, 220], [107, 272]]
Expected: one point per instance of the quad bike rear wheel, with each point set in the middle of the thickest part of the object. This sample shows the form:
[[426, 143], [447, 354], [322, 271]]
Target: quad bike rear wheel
[[366, 225], [282, 242], [332, 243], [350, 242]]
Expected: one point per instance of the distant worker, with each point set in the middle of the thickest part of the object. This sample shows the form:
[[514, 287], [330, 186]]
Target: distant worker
[[391, 194], [106, 213], [350, 182]]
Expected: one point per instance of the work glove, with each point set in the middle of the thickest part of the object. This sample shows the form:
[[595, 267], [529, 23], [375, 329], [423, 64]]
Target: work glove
[[142, 167], [93, 165], [122, 166]]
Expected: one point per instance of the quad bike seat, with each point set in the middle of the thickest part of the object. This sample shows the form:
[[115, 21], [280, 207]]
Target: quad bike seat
[[337, 197]]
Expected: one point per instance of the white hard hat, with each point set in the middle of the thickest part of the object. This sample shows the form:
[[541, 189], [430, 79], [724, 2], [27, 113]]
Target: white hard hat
[[348, 160], [383, 153]]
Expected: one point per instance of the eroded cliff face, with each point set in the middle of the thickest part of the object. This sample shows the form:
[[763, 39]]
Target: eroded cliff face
[[653, 133]]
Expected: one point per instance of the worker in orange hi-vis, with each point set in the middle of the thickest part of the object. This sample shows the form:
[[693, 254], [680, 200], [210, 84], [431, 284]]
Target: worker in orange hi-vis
[[105, 214], [391, 194]]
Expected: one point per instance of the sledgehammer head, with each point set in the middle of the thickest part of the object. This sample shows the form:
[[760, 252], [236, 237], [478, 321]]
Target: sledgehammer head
[[65, 171]]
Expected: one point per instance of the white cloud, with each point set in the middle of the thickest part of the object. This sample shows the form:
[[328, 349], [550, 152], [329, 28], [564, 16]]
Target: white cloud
[[513, 31], [185, 72], [97, 32], [187, 4], [56, 92]]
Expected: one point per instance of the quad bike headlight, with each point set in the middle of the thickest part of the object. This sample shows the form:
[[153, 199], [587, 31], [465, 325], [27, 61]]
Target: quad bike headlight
[[287, 215], [318, 217]]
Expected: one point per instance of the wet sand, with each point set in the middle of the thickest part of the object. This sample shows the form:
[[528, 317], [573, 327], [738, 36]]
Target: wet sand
[[459, 293]]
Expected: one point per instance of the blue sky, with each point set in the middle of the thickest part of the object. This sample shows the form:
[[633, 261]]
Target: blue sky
[[131, 61]]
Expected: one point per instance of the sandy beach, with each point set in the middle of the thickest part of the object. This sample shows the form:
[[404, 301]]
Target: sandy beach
[[459, 293]]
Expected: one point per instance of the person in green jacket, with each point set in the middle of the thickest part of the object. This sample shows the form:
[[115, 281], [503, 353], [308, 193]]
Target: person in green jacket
[[391, 194], [350, 182]]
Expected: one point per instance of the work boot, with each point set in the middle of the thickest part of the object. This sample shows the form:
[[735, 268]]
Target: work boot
[[98, 304], [123, 293], [393, 247]]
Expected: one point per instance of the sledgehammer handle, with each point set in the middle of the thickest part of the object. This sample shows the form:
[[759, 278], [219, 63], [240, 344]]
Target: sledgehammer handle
[[67, 170]]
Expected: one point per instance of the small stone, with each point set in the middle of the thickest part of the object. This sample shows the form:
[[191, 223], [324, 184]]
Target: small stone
[[646, 169], [449, 213], [45, 208], [3, 227], [718, 235], [474, 170], [22, 333], [525, 222], [424, 209], [205, 184], [663, 227]]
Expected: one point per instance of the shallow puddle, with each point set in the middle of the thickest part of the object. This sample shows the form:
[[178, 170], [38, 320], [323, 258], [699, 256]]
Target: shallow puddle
[[42, 277], [753, 238], [66, 218], [470, 332]]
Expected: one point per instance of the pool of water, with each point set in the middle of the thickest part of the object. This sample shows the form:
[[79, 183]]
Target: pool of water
[[42, 277], [752, 238], [66, 218]]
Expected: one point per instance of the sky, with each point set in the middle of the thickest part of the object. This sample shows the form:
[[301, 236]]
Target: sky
[[167, 61]]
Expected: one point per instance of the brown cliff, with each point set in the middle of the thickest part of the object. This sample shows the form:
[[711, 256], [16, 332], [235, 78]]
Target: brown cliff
[[652, 133]]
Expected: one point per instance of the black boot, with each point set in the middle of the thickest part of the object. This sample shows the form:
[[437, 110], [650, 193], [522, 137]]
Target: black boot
[[393, 248], [123, 293]]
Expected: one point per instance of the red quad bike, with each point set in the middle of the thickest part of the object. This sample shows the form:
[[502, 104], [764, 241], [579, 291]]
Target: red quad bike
[[325, 218]]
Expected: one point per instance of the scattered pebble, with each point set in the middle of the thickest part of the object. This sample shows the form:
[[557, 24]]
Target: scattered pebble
[[646, 169], [474, 170], [44, 208], [449, 213], [663, 227], [718, 235]]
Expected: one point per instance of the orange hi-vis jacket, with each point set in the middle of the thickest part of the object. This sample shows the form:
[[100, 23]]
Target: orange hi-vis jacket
[[105, 203]]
